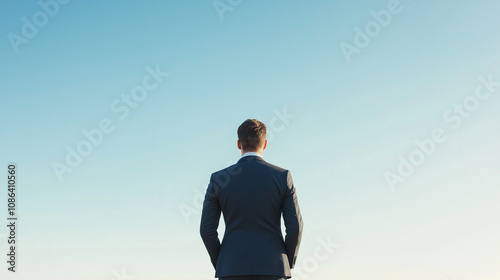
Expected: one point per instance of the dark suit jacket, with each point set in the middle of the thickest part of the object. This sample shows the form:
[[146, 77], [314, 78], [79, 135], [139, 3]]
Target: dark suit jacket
[[252, 194]]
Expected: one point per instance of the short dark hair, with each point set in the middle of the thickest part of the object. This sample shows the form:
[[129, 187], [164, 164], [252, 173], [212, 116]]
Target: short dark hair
[[252, 134]]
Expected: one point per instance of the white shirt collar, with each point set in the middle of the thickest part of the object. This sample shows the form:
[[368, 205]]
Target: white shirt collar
[[252, 154]]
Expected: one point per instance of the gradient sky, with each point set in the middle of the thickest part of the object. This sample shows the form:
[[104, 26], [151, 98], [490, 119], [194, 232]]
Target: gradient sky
[[132, 206]]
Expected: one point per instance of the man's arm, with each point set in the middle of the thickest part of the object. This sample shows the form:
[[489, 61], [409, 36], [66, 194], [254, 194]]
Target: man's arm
[[293, 221], [210, 221]]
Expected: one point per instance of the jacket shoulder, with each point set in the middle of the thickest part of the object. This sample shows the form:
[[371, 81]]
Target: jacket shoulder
[[234, 169], [275, 167]]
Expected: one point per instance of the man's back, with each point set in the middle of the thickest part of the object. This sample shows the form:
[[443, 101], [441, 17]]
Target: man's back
[[252, 194]]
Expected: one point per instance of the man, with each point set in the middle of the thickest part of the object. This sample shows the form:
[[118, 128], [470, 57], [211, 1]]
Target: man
[[252, 194]]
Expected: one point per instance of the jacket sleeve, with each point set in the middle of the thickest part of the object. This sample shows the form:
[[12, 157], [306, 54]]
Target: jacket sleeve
[[293, 221], [210, 221]]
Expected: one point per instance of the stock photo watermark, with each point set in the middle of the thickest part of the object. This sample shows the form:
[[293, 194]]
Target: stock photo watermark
[[31, 26], [122, 107], [12, 226], [363, 37], [454, 117], [223, 6], [122, 275], [276, 124], [310, 264]]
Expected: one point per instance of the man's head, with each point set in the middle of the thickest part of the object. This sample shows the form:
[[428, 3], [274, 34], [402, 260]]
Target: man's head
[[252, 136]]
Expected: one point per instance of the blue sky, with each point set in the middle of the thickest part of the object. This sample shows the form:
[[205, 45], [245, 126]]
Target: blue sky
[[338, 124]]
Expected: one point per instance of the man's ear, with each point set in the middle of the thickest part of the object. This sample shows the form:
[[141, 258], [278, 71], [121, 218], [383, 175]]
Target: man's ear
[[238, 143], [265, 145]]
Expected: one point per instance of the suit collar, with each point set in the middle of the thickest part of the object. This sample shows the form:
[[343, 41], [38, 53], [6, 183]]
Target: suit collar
[[250, 158]]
